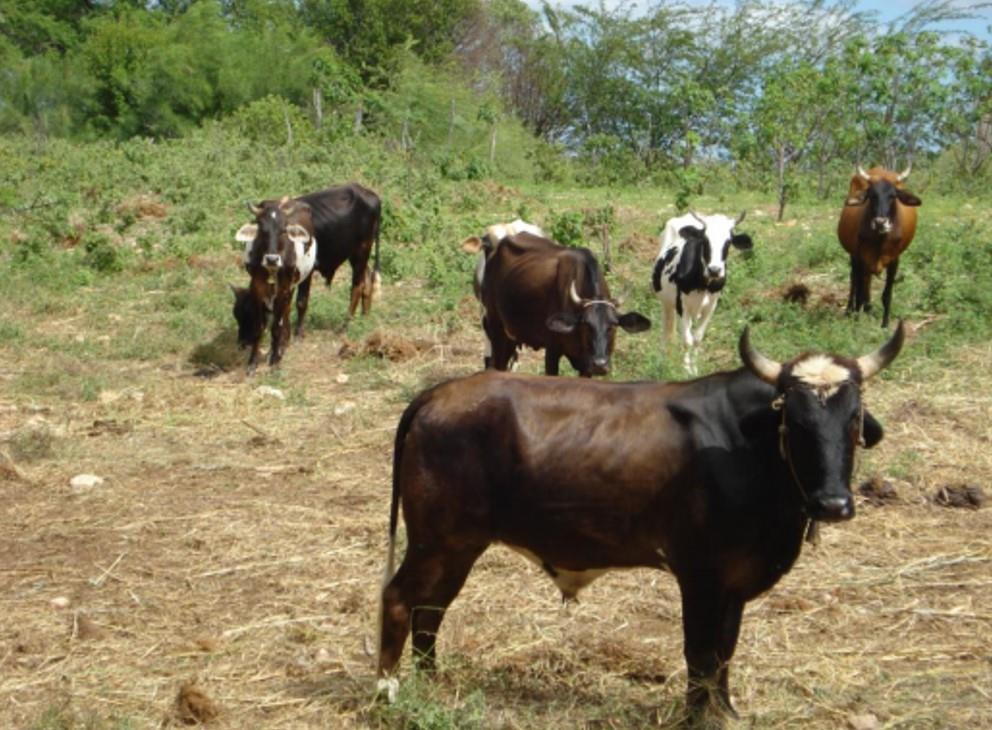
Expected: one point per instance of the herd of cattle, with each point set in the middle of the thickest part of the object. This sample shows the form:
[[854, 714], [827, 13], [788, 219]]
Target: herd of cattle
[[717, 479]]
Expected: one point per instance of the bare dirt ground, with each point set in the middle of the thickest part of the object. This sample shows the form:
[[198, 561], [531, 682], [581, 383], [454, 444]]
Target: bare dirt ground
[[228, 568]]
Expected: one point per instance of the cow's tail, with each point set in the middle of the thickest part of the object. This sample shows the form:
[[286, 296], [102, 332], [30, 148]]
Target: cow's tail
[[394, 507], [659, 264], [376, 278]]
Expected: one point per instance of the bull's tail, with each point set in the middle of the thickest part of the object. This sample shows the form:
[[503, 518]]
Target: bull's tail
[[394, 507], [659, 264]]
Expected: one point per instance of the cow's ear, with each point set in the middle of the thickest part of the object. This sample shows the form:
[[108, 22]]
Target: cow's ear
[[858, 199], [690, 232], [634, 322], [563, 322], [741, 241], [871, 430], [472, 244], [907, 198], [297, 234], [247, 233]]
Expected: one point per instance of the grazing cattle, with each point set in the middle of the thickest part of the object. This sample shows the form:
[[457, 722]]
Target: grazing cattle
[[714, 479], [689, 274], [876, 225], [344, 223], [279, 255], [484, 247], [543, 295]]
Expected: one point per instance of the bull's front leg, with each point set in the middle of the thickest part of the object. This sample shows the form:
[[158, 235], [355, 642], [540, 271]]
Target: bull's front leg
[[890, 280], [854, 295], [711, 622], [280, 325], [705, 314], [552, 359]]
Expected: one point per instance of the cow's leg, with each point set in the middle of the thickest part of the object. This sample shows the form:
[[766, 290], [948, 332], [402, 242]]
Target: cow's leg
[[854, 295], [705, 314], [359, 280], [302, 301], [711, 624], [865, 289], [254, 355], [668, 330], [280, 326], [416, 599], [552, 358], [890, 280], [487, 357], [504, 349]]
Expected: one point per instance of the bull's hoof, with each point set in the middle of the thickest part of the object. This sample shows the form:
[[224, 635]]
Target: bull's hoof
[[387, 688]]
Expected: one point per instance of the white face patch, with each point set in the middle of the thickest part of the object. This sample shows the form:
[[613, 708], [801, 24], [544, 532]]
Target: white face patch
[[822, 373]]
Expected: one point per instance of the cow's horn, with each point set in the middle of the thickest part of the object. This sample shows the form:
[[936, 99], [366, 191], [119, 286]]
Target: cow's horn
[[573, 294], [255, 209], [740, 218], [863, 174], [701, 221], [766, 369], [880, 359], [905, 173]]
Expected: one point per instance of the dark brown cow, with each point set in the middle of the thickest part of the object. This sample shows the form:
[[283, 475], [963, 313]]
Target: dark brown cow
[[279, 256], [346, 222], [543, 295], [876, 225], [714, 479]]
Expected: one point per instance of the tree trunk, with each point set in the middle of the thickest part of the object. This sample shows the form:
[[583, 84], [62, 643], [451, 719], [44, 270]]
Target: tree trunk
[[318, 107], [492, 145], [359, 113], [780, 164]]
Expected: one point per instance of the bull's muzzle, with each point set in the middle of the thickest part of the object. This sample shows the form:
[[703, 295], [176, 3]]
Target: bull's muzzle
[[272, 261], [600, 366], [831, 508], [881, 225]]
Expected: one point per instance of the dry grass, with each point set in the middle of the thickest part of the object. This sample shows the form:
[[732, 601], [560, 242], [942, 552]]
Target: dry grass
[[227, 570]]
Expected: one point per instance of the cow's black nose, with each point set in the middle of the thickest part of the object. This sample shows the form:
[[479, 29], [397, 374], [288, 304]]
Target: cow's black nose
[[832, 509], [600, 366]]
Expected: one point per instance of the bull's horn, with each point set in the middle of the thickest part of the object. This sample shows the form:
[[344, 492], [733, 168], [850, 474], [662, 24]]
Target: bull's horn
[[766, 369], [880, 359], [905, 173], [255, 209], [574, 295], [701, 221], [740, 218], [863, 174]]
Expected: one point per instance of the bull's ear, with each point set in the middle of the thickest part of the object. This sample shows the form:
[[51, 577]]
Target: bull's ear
[[247, 233], [690, 232], [858, 199], [871, 430], [634, 322], [472, 244], [907, 198], [741, 241], [297, 234], [563, 322]]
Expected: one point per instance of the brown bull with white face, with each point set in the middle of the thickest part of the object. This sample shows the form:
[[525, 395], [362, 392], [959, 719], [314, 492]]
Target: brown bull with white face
[[715, 480], [543, 295], [877, 223], [280, 253]]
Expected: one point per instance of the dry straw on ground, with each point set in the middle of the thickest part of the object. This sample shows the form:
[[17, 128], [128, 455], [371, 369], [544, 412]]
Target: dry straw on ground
[[240, 540]]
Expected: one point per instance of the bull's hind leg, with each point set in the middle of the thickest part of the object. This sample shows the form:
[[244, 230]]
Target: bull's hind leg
[[416, 599], [854, 295], [359, 280]]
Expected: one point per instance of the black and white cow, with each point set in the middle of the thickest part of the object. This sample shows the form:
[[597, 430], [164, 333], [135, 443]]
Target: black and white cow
[[690, 272]]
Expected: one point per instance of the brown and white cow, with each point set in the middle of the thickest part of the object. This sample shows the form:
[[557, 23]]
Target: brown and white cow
[[715, 480], [876, 225], [280, 253], [543, 295]]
